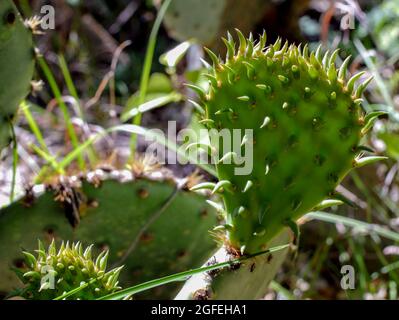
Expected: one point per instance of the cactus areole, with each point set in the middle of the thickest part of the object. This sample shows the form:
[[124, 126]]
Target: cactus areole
[[16, 65], [307, 123]]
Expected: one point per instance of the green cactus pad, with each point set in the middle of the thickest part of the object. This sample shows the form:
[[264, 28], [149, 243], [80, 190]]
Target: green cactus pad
[[16, 65], [55, 272], [212, 18], [248, 281], [307, 123], [167, 226]]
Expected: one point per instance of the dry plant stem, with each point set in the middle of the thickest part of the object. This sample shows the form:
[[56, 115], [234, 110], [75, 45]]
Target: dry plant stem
[[109, 78]]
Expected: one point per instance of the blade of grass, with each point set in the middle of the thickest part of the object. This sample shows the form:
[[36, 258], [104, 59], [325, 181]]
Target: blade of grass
[[76, 290], [69, 83], [182, 276], [281, 290], [356, 224], [379, 81], [358, 255], [372, 203], [25, 107], [49, 159], [318, 261], [390, 267], [137, 130], [145, 75], [72, 90], [151, 105], [57, 94], [384, 262]]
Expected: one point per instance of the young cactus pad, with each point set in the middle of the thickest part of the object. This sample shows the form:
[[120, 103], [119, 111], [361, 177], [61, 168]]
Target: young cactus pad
[[16, 65], [151, 224], [55, 272], [306, 121]]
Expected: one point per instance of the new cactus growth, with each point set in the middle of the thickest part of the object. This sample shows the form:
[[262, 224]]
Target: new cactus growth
[[16, 65], [149, 221], [307, 123], [55, 272]]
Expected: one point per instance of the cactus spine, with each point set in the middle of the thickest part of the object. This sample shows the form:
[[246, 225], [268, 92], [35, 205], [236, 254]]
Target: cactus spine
[[307, 123], [16, 65]]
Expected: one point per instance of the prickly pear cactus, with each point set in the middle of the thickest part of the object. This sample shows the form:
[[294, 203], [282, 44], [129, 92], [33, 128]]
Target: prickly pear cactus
[[248, 280], [16, 65], [212, 18], [57, 271], [306, 123], [150, 222]]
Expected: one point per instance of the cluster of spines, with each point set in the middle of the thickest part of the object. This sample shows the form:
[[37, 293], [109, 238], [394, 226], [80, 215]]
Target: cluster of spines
[[315, 61], [71, 265]]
